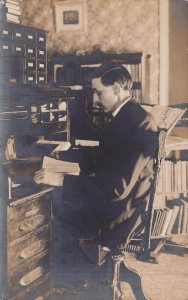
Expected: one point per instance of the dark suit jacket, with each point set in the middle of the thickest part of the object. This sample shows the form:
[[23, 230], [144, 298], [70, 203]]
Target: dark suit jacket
[[119, 178]]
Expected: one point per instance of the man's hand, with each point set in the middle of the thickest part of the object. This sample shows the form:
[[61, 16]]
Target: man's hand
[[49, 177]]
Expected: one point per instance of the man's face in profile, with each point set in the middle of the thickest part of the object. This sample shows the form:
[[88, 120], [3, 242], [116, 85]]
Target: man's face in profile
[[103, 95]]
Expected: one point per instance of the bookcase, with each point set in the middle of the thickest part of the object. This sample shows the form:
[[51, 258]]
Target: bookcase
[[75, 70], [169, 216]]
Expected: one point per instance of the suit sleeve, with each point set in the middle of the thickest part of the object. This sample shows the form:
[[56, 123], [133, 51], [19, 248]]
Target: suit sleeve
[[120, 171]]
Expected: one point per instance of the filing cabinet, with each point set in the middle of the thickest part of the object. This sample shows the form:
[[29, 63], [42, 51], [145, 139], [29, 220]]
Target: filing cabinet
[[28, 245], [22, 43]]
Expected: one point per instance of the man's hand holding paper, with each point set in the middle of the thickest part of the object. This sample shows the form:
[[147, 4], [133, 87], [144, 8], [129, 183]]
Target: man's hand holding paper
[[53, 171]]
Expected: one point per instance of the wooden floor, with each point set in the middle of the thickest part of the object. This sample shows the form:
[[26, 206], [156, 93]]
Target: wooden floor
[[77, 277]]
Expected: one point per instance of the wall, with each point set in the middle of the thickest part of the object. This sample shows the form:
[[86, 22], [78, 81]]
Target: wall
[[178, 51], [117, 26], [178, 55]]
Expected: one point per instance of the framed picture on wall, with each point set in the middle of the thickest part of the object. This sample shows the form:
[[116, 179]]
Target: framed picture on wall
[[71, 15]]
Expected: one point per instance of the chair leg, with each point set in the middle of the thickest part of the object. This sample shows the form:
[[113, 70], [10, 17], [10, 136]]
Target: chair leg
[[117, 293], [136, 284]]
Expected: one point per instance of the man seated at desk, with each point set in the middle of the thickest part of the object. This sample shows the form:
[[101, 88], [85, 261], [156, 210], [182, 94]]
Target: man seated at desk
[[113, 189]]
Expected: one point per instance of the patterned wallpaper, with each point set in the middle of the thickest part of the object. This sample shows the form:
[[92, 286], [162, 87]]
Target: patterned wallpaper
[[114, 25]]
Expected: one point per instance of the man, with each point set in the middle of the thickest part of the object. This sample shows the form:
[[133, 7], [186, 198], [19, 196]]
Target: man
[[116, 184]]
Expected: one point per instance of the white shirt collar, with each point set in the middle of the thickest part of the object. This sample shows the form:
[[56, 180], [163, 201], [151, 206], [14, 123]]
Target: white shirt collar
[[115, 112]]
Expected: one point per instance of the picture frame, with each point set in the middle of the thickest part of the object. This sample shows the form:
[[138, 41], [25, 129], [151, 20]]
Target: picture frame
[[71, 15]]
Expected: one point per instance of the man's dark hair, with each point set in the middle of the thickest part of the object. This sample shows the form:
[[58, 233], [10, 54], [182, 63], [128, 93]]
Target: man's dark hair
[[111, 73]]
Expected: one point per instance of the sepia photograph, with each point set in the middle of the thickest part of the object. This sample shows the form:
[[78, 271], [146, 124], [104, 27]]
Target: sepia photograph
[[94, 150]]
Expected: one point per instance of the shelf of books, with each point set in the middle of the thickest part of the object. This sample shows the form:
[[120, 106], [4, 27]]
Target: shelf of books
[[170, 215]]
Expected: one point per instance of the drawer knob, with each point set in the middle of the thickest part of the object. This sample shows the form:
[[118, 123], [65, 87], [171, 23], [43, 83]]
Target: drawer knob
[[32, 250], [32, 224], [31, 276], [32, 212]]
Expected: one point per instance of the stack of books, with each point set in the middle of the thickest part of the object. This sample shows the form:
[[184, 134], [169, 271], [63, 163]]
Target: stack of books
[[10, 10]]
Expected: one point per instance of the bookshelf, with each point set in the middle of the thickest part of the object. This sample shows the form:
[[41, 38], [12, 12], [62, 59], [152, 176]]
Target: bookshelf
[[75, 70], [169, 218]]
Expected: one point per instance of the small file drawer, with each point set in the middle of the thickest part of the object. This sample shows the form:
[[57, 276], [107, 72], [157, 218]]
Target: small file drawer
[[41, 38], [28, 217], [27, 247], [41, 78], [30, 77], [41, 52], [29, 273], [5, 47], [30, 36], [30, 50], [5, 32], [18, 49], [30, 64], [41, 65], [18, 34]]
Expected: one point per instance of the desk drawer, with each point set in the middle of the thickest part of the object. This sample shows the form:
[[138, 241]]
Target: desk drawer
[[29, 216], [29, 246], [29, 273], [40, 291]]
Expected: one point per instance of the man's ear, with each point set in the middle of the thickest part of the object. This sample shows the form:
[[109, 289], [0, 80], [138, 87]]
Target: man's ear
[[116, 88]]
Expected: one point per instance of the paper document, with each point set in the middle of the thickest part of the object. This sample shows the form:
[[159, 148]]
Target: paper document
[[59, 166], [87, 143], [62, 146]]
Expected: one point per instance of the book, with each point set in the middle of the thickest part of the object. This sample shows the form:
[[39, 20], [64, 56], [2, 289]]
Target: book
[[177, 228], [156, 217], [162, 220], [172, 219], [14, 11], [183, 176], [12, 17], [158, 225], [166, 221], [180, 219], [12, 6], [185, 216], [166, 117], [15, 2]]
